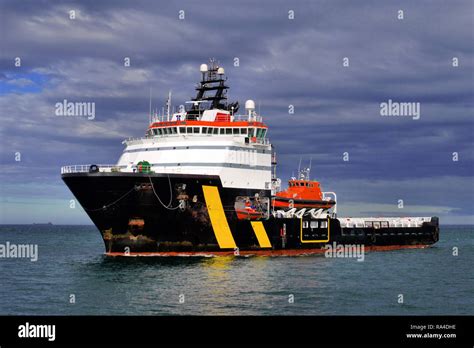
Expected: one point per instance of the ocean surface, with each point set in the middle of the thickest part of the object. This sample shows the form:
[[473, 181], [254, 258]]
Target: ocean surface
[[71, 266]]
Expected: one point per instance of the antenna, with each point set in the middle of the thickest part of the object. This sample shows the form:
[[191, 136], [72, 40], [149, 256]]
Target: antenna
[[168, 106], [309, 169], [149, 115], [299, 168]]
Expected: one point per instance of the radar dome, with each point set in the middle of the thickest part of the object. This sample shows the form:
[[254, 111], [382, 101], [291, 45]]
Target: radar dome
[[203, 68], [220, 71], [250, 105]]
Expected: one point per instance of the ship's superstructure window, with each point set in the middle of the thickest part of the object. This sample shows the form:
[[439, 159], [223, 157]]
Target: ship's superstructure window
[[261, 133], [258, 133]]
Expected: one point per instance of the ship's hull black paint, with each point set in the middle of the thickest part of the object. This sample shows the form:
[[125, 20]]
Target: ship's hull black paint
[[130, 217]]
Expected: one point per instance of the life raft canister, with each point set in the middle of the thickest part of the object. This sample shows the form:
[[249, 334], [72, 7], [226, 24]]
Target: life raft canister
[[94, 168]]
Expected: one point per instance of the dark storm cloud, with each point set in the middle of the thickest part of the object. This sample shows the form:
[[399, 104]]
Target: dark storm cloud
[[282, 62]]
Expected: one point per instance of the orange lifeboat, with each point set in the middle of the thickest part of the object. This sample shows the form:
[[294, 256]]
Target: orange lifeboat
[[302, 194], [248, 208]]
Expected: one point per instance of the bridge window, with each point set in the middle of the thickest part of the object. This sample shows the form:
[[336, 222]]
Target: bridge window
[[261, 132], [222, 131], [251, 132], [196, 130], [228, 131], [174, 130], [216, 130], [204, 130], [243, 130], [189, 130], [182, 130], [235, 131]]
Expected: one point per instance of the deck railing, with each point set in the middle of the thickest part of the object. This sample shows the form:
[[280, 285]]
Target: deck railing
[[84, 168]]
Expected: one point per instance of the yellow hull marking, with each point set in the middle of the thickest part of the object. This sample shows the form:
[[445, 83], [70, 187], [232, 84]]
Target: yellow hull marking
[[218, 219], [314, 240], [261, 234]]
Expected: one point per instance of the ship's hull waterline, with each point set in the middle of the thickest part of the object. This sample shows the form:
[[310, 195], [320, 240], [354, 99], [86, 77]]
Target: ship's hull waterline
[[179, 214]]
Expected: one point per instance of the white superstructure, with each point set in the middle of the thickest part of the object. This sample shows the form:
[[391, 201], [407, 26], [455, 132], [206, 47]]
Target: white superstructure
[[236, 151]]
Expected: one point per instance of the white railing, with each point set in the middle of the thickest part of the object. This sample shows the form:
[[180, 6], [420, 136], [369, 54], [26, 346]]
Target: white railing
[[135, 141], [383, 222], [84, 168], [264, 141], [254, 118]]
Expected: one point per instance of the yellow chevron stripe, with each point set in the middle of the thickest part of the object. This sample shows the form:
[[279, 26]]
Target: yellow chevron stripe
[[261, 234], [218, 219]]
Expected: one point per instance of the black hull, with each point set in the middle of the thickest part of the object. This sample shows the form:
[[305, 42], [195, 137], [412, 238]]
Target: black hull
[[130, 217]]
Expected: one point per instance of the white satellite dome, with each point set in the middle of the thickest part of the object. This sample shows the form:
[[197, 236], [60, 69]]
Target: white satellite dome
[[250, 104], [220, 71], [203, 68]]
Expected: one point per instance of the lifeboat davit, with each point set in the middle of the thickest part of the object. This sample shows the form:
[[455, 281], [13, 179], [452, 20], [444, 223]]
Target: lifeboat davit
[[301, 194]]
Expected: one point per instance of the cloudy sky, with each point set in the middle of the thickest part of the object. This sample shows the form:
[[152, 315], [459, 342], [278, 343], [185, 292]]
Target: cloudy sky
[[282, 62]]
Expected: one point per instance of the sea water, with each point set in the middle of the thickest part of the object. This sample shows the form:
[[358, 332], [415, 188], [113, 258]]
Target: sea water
[[72, 276]]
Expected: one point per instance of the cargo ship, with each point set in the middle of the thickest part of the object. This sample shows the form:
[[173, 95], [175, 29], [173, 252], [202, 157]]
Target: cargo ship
[[203, 180]]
